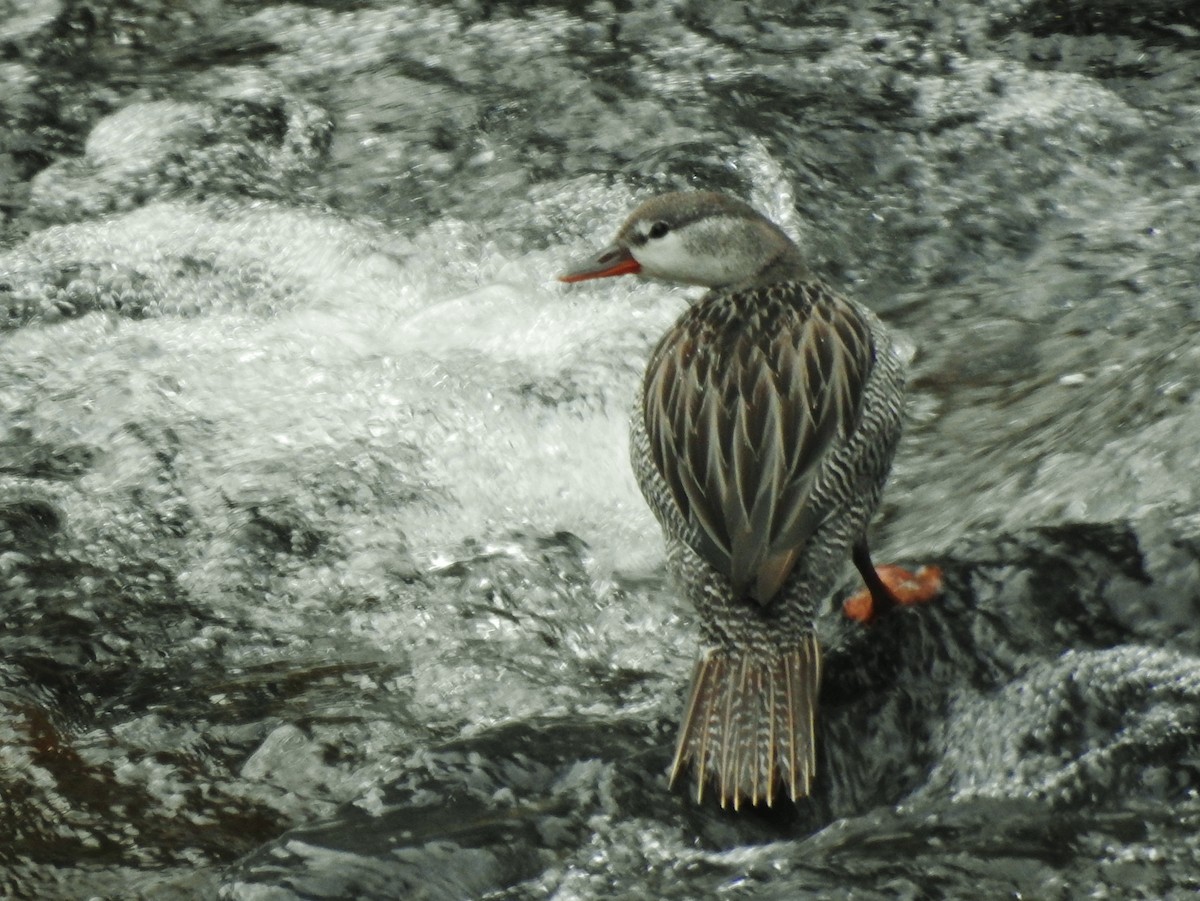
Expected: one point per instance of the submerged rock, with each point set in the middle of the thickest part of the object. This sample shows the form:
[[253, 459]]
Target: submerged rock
[[995, 723]]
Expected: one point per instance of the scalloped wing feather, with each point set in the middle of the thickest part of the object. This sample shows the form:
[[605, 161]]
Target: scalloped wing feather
[[744, 399]]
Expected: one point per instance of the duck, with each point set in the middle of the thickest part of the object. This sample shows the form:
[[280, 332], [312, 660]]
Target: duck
[[762, 436]]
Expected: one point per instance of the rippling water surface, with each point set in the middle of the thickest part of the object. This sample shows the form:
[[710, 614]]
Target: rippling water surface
[[324, 571]]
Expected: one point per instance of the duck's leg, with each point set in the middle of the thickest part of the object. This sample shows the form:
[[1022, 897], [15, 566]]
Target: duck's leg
[[888, 586]]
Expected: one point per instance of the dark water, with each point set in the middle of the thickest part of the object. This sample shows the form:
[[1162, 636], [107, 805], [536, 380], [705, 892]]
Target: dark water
[[323, 570]]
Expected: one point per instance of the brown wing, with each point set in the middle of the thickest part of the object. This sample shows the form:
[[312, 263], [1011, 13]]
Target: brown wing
[[743, 399]]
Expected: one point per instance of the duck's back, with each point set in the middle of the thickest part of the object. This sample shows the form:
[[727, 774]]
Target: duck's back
[[765, 428]]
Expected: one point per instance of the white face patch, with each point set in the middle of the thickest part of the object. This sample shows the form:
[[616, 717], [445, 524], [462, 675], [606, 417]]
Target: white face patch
[[711, 251]]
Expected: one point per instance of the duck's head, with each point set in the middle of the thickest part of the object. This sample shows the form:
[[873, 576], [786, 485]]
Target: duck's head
[[696, 238]]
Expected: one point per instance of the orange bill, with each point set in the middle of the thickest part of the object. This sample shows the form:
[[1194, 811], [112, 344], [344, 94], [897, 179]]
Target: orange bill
[[610, 261]]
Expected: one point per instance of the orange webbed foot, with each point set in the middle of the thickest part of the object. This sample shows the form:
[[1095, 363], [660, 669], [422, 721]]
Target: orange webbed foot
[[905, 588]]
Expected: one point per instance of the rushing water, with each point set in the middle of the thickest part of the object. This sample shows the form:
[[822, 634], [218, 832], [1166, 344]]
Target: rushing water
[[324, 571]]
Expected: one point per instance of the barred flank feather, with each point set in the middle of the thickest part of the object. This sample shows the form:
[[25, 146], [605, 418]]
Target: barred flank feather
[[750, 724]]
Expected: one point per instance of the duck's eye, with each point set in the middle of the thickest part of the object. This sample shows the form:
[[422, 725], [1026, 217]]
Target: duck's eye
[[658, 229]]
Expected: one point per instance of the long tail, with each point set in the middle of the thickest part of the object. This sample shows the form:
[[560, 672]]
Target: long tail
[[749, 724]]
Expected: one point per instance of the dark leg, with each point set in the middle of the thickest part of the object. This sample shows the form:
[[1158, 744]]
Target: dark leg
[[882, 598]]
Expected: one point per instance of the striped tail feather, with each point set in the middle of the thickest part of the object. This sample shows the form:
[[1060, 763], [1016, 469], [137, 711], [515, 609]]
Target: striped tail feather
[[749, 726]]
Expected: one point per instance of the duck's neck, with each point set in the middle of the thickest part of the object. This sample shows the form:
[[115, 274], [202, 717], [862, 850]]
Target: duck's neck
[[785, 266]]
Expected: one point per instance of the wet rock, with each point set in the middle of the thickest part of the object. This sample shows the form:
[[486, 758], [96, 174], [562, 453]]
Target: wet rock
[[254, 146], [468, 819], [1011, 704]]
